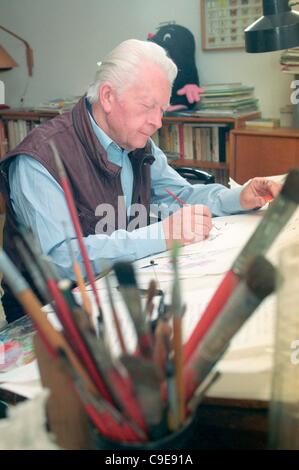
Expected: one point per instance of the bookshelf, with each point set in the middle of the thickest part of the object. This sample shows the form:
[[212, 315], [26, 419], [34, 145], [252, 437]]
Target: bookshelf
[[14, 126], [16, 123], [201, 142]]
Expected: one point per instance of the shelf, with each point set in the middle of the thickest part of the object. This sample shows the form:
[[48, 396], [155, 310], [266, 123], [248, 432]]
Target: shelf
[[199, 164], [237, 121], [26, 114], [289, 132]]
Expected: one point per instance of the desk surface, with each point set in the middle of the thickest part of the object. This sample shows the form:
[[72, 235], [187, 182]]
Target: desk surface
[[222, 416]]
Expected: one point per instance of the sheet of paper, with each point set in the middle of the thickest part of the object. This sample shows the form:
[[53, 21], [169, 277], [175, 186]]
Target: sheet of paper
[[214, 255], [21, 374]]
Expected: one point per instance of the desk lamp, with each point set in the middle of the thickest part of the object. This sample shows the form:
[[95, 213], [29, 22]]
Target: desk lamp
[[277, 29]]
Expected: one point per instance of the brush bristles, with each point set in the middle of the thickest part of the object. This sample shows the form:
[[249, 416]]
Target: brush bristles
[[125, 274], [260, 277], [291, 186]]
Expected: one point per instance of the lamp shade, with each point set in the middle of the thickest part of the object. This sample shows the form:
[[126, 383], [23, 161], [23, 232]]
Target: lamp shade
[[277, 29], [6, 61]]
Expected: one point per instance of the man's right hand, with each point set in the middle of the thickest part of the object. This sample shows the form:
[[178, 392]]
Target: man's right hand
[[190, 224]]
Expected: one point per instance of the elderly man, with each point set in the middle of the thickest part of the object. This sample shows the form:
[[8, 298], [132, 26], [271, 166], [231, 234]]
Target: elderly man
[[115, 171]]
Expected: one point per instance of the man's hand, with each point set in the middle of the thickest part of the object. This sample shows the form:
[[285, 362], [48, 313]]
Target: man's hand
[[258, 192], [188, 225]]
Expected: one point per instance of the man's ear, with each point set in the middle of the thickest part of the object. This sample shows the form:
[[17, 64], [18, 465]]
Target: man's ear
[[106, 96]]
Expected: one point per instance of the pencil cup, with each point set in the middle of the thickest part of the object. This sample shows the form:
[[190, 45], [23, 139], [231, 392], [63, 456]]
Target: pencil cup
[[284, 407], [180, 440]]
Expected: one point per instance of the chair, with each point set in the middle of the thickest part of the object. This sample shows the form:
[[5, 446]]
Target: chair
[[195, 175]]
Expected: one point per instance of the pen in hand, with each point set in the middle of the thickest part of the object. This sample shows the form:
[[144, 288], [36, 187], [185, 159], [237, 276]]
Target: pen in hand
[[176, 197]]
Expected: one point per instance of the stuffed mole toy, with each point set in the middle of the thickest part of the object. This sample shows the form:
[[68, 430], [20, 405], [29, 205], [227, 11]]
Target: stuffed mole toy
[[179, 43]]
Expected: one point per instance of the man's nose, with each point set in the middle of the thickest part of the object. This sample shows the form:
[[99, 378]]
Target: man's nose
[[156, 118]]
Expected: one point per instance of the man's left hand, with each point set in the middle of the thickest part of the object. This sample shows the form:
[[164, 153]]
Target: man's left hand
[[258, 192]]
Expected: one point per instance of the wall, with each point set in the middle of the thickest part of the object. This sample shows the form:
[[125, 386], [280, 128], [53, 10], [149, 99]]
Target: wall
[[68, 37]]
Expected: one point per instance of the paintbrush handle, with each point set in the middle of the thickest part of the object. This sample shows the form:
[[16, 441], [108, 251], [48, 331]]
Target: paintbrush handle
[[81, 285], [217, 302], [178, 360], [259, 282], [78, 230], [52, 339], [74, 337], [115, 317]]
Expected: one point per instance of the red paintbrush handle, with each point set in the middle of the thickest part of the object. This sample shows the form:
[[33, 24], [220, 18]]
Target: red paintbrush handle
[[74, 216], [217, 302], [124, 388], [75, 339]]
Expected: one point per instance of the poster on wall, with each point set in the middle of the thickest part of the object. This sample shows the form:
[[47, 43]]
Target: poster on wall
[[223, 22]]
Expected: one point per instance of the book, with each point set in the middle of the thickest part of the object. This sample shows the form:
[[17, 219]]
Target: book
[[262, 123], [226, 112], [226, 89], [229, 104]]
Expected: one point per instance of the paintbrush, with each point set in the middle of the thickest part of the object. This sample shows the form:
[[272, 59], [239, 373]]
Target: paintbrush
[[259, 282], [115, 317], [73, 336], [149, 305], [77, 227], [275, 219], [116, 381], [51, 338], [178, 309], [33, 270], [202, 389], [147, 382], [105, 417], [96, 348], [79, 277], [162, 344], [173, 418], [128, 287]]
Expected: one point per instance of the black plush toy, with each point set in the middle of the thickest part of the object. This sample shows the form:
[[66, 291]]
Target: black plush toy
[[179, 43]]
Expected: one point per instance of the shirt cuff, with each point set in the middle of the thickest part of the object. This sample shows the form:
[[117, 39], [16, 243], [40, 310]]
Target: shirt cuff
[[230, 200], [149, 240]]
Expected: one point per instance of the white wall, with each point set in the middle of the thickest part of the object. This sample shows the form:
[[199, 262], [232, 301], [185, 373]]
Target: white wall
[[68, 37]]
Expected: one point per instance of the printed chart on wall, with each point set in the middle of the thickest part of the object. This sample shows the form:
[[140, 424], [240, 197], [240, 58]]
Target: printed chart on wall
[[223, 22]]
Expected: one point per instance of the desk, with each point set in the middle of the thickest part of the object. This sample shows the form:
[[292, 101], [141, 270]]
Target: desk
[[232, 424], [227, 418], [221, 423]]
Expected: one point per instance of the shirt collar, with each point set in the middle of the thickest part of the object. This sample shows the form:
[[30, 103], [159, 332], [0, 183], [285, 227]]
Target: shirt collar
[[104, 139]]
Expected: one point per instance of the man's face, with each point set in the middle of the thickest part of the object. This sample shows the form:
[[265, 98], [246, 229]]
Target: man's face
[[136, 114]]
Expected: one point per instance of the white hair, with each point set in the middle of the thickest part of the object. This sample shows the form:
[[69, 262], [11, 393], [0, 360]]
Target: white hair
[[121, 65]]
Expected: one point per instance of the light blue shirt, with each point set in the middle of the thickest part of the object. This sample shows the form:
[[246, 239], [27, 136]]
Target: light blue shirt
[[39, 203]]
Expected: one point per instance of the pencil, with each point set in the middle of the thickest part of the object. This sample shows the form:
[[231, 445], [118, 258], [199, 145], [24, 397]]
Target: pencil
[[176, 197]]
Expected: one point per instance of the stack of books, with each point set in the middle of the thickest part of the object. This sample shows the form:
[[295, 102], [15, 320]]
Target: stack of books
[[227, 99], [58, 104], [289, 61]]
